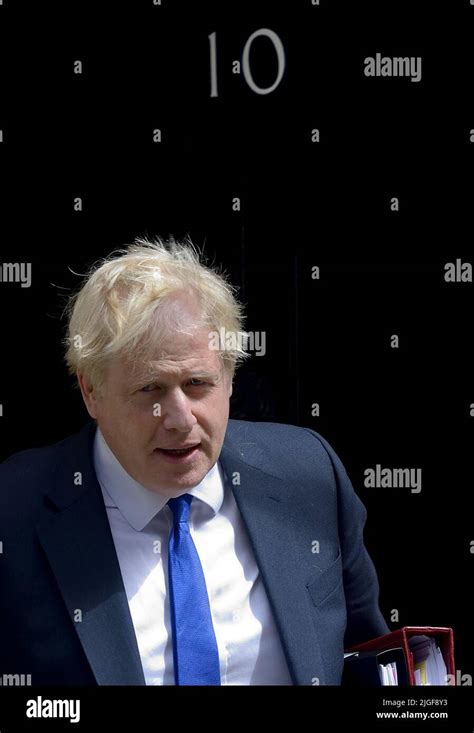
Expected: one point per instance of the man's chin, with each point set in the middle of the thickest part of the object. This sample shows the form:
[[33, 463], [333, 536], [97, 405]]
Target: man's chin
[[176, 482]]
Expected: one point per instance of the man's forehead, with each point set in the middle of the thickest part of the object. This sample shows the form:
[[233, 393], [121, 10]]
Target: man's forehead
[[176, 345], [171, 364], [174, 365]]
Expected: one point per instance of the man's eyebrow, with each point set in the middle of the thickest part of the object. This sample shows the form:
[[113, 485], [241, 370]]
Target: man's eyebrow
[[157, 376]]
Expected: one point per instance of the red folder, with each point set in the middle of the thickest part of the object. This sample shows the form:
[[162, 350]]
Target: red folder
[[364, 667]]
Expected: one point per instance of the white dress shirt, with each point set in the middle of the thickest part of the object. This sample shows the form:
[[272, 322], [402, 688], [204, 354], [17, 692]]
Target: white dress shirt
[[250, 651]]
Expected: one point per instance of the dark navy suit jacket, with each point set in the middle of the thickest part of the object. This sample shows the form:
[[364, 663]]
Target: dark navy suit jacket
[[59, 558]]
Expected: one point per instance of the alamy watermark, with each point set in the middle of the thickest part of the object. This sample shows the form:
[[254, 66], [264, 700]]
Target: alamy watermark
[[393, 66], [223, 340], [380, 477], [15, 680], [16, 272], [48, 708]]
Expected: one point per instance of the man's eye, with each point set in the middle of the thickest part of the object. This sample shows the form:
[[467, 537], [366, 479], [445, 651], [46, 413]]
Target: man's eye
[[148, 388], [196, 382]]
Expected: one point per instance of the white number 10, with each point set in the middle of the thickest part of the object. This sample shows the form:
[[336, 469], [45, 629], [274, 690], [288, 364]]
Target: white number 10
[[280, 52]]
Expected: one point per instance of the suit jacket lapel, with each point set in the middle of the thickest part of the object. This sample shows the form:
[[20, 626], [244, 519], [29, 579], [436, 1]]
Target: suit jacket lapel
[[267, 505], [75, 534]]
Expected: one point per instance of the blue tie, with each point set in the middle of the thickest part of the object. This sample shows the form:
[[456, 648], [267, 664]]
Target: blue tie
[[196, 659]]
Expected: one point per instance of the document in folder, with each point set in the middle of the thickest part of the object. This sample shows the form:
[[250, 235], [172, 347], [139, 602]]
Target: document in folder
[[413, 655], [428, 661]]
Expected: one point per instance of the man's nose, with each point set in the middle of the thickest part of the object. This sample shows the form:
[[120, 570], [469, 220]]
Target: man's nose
[[177, 412]]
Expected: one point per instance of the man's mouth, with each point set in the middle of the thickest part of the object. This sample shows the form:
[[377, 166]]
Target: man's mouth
[[178, 454], [181, 448]]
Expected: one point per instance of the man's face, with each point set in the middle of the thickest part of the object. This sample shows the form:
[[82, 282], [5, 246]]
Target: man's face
[[190, 389]]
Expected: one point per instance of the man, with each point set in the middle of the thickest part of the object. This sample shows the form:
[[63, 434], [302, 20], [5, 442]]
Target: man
[[164, 543]]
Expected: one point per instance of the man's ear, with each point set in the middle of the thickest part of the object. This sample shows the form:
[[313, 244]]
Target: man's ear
[[88, 395]]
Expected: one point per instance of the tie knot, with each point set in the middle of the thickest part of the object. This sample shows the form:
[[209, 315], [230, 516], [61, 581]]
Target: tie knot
[[180, 507]]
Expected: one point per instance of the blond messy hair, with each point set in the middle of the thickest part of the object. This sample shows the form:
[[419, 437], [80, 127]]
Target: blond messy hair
[[130, 294]]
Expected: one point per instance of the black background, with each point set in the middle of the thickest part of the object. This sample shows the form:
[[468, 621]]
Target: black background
[[302, 204]]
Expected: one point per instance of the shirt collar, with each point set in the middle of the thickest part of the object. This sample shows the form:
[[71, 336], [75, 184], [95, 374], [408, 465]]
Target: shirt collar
[[137, 504]]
